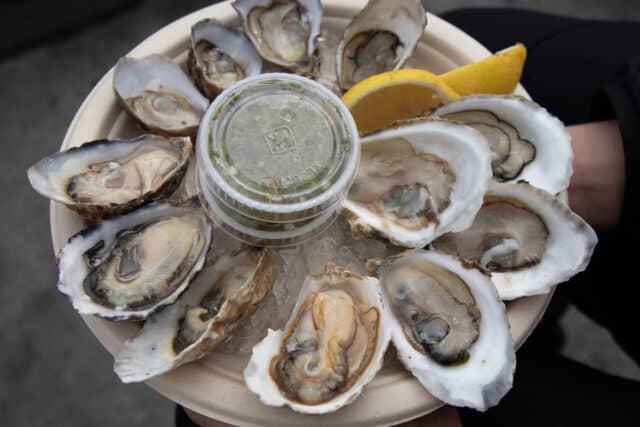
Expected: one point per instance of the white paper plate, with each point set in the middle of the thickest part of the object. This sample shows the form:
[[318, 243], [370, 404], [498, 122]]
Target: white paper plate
[[214, 385]]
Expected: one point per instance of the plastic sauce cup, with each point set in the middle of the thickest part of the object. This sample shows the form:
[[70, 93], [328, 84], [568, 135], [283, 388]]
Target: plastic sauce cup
[[276, 154]]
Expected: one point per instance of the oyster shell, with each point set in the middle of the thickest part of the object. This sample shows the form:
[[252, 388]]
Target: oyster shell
[[219, 298], [417, 181], [107, 177], [528, 239], [331, 347], [284, 32], [449, 327], [380, 38], [526, 141], [324, 61], [220, 56], [127, 267], [159, 95]]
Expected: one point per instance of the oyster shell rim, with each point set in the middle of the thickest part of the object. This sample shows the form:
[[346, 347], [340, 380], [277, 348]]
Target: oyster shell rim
[[414, 361], [209, 89], [354, 212], [406, 54], [552, 211], [559, 151], [95, 211], [261, 280], [195, 99], [70, 283], [257, 373], [244, 9]]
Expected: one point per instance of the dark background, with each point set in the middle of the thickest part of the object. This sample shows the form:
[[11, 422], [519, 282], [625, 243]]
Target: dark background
[[53, 372]]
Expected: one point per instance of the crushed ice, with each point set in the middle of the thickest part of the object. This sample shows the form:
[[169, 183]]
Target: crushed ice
[[290, 267]]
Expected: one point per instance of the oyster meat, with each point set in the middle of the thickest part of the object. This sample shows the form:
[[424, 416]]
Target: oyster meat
[[449, 327], [418, 180], [331, 347], [159, 95], [107, 177], [220, 297], [528, 239], [526, 141], [220, 56], [380, 38], [127, 267], [284, 32]]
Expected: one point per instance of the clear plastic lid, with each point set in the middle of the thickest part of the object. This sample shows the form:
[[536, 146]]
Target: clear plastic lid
[[278, 147]]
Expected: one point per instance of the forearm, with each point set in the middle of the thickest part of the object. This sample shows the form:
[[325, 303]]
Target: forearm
[[596, 192]]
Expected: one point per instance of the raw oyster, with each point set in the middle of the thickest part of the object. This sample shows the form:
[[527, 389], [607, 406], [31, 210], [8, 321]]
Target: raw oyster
[[219, 298], [528, 239], [449, 327], [526, 141], [107, 177], [159, 95], [127, 267], [417, 181], [331, 347], [220, 56], [380, 38], [283, 31]]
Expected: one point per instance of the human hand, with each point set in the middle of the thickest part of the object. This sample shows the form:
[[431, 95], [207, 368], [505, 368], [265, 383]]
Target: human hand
[[596, 191]]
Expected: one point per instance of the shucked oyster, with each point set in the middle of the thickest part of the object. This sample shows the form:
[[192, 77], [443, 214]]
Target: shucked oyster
[[449, 327], [127, 267], [107, 177], [526, 141], [331, 347], [529, 240], [380, 38], [159, 95], [418, 180], [283, 31], [220, 56], [218, 299]]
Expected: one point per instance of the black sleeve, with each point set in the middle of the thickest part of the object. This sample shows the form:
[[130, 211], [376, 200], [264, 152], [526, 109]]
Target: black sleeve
[[612, 294]]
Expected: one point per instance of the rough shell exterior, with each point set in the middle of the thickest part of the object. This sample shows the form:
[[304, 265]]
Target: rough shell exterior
[[96, 213], [136, 363]]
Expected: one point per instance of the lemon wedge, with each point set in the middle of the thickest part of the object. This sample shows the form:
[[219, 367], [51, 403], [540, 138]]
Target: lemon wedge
[[497, 74], [378, 101]]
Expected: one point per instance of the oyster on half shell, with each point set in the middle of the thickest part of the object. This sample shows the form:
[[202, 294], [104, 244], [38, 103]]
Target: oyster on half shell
[[527, 142], [219, 298], [380, 38], [528, 239], [284, 32], [129, 266], [220, 56], [449, 327], [108, 177], [159, 95], [417, 181], [331, 347]]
